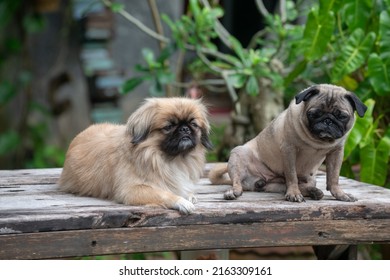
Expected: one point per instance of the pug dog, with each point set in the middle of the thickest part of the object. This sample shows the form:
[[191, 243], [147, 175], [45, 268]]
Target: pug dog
[[286, 155], [155, 159]]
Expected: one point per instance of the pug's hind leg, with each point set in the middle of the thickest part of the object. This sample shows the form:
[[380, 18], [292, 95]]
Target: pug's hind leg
[[147, 195], [237, 173], [307, 186]]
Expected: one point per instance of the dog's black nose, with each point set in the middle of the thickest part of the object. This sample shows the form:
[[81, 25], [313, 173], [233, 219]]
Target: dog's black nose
[[185, 129], [328, 122]]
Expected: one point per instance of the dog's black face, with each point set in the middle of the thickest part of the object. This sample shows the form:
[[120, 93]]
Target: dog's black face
[[181, 136], [329, 110], [328, 125]]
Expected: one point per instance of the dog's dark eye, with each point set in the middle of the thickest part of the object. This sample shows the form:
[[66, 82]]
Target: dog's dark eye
[[314, 114], [342, 116], [194, 125], [168, 127]]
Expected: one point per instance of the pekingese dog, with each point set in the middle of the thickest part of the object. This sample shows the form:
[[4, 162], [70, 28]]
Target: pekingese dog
[[155, 159], [288, 152]]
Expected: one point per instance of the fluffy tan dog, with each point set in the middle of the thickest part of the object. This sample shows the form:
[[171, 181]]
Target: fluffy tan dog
[[155, 159]]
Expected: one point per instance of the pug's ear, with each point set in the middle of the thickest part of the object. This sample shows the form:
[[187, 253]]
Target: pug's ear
[[356, 104], [306, 94]]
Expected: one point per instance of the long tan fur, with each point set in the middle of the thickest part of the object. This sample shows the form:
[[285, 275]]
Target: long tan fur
[[125, 163]]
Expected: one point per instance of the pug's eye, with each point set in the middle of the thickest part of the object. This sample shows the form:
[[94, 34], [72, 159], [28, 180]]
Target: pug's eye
[[314, 114], [342, 116]]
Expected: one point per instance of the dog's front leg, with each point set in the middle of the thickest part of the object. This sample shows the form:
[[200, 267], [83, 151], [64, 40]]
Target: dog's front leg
[[334, 161], [293, 193], [154, 196]]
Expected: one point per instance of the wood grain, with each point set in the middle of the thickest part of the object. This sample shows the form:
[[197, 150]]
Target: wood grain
[[39, 221]]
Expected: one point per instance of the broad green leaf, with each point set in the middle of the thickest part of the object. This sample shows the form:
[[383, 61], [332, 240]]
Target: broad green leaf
[[379, 75], [298, 69], [353, 54], [374, 162], [356, 13], [360, 129], [330, 5], [318, 31], [252, 87], [384, 35], [131, 84]]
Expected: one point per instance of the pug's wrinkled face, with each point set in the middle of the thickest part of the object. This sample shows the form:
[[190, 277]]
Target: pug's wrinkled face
[[328, 111], [328, 123]]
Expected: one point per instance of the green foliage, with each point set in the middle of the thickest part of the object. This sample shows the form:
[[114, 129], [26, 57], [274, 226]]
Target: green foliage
[[373, 150], [156, 70]]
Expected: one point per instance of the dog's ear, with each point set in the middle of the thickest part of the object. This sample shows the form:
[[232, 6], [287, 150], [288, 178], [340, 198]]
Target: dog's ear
[[306, 94], [205, 140], [139, 124], [356, 104]]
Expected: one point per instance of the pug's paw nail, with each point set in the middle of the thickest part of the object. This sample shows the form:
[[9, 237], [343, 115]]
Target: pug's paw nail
[[230, 195], [295, 198], [347, 197]]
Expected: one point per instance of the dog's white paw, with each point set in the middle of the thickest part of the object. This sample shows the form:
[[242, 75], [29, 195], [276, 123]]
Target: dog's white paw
[[192, 199], [184, 206]]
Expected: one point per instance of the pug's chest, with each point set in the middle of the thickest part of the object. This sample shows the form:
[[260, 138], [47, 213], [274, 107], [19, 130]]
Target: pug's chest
[[309, 160]]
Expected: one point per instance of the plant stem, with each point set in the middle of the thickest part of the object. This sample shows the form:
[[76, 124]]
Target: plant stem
[[157, 21], [138, 23]]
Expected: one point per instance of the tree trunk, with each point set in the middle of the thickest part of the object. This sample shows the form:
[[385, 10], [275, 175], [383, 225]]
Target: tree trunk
[[256, 113]]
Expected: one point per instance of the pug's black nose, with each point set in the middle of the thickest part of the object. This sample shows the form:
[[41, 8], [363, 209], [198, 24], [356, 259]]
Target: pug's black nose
[[185, 129], [328, 122]]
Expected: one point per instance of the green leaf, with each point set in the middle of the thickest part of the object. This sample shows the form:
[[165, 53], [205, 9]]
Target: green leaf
[[298, 69], [374, 162], [353, 54], [116, 7], [131, 84], [252, 87], [318, 31], [237, 47], [356, 13], [330, 5], [237, 80], [149, 57], [360, 129], [166, 53], [378, 75], [384, 35]]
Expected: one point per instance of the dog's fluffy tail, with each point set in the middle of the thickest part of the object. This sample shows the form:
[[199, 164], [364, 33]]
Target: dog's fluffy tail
[[218, 175]]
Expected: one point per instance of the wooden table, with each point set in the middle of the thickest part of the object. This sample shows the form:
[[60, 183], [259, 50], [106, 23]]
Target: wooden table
[[39, 221]]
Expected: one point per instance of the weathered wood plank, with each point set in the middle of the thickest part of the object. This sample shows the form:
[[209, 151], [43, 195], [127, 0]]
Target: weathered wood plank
[[39, 221], [42, 207], [151, 239]]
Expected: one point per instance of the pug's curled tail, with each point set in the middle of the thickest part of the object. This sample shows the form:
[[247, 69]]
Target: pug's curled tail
[[218, 175]]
